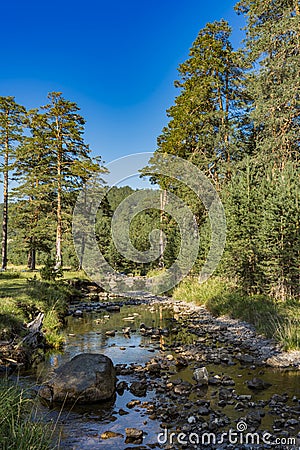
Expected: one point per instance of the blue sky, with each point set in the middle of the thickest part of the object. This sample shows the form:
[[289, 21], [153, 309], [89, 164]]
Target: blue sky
[[117, 60]]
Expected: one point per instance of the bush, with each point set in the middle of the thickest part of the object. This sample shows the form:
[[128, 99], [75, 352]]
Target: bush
[[49, 272]]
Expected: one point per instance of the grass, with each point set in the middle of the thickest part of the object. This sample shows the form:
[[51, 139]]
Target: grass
[[23, 295], [277, 319], [19, 427]]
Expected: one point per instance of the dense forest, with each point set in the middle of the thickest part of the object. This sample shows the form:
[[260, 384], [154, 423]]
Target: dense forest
[[236, 117]]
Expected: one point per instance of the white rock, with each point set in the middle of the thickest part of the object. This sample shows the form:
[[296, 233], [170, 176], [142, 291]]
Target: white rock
[[192, 419], [201, 375]]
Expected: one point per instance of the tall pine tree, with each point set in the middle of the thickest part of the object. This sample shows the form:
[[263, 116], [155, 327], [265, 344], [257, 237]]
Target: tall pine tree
[[11, 128], [204, 118], [33, 212], [71, 162], [273, 51]]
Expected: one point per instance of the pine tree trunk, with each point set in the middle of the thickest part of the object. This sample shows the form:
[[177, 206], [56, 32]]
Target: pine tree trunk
[[226, 137], [31, 260], [5, 208], [82, 249]]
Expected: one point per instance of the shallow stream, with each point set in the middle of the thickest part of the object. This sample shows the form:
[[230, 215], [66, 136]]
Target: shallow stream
[[81, 427]]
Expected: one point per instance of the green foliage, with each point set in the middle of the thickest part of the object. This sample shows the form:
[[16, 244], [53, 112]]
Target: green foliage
[[272, 51], [19, 428], [262, 206], [23, 298], [11, 127], [51, 165], [206, 116], [49, 272], [236, 118]]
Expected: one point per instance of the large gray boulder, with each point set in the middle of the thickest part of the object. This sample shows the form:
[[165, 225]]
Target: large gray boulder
[[87, 378]]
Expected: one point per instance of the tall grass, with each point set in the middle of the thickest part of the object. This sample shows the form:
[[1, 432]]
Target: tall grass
[[19, 427], [273, 318], [287, 332]]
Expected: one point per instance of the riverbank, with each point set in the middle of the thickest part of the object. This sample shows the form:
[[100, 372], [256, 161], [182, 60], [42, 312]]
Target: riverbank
[[243, 383], [240, 335], [23, 297], [277, 319]]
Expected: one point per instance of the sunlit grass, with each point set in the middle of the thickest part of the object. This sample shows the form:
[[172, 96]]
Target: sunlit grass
[[24, 295], [280, 320]]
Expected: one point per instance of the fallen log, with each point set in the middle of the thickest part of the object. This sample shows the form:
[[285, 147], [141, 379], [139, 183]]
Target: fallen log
[[36, 324]]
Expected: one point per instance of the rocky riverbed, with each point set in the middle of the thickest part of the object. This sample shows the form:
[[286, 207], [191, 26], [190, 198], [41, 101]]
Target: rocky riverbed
[[185, 379], [251, 388]]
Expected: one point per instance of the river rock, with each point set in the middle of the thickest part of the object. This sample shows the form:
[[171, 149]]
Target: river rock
[[134, 433], [87, 378], [153, 367], [121, 387], [111, 333], [134, 436], [110, 434], [138, 388], [201, 375], [285, 359], [258, 384], [113, 308]]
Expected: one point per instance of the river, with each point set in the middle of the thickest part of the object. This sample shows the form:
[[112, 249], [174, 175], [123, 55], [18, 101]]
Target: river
[[174, 388]]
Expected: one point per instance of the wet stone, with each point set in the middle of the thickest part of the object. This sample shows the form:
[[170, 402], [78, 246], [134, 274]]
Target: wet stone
[[133, 436], [110, 333], [258, 384], [138, 388], [225, 394], [203, 411], [110, 434], [121, 387], [133, 403]]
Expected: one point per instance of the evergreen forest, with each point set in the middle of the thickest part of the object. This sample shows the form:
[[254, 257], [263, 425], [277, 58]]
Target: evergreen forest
[[236, 117]]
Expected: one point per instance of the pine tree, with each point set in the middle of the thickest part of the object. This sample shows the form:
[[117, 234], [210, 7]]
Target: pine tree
[[72, 163], [11, 127], [208, 118], [205, 115], [243, 198], [278, 234], [270, 235], [273, 51], [33, 212]]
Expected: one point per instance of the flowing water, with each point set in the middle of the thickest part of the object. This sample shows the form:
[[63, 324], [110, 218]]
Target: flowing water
[[81, 427]]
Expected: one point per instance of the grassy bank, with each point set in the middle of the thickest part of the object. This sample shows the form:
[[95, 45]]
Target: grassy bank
[[23, 296], [277, 319], [19, 428]]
